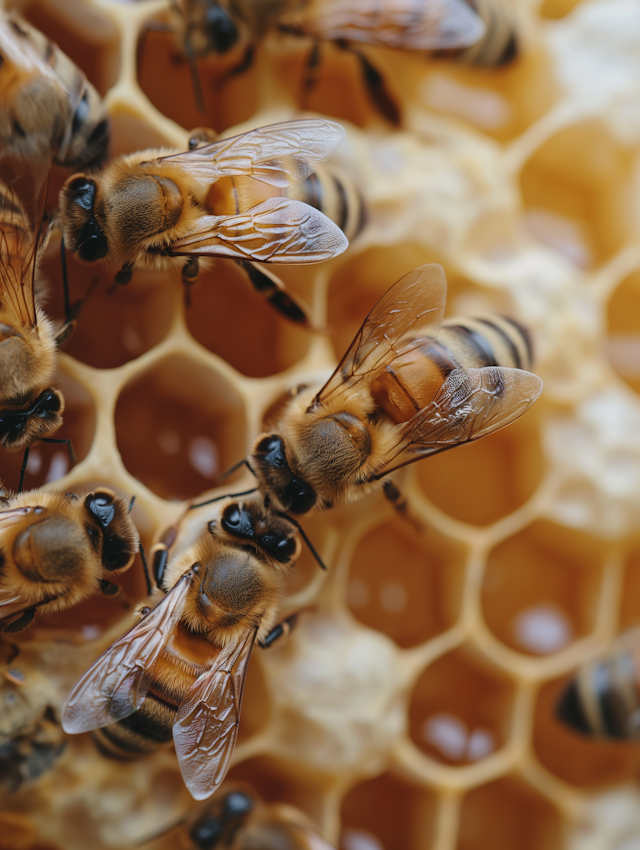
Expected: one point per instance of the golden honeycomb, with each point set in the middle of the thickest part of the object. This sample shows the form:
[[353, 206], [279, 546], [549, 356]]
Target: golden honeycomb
[[413, 706]]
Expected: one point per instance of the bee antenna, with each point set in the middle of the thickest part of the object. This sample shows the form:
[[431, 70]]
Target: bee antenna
[[147, 574], [219, 498], [129, 509], [193, 70], [23, 470], [228, 472], [303, 535]]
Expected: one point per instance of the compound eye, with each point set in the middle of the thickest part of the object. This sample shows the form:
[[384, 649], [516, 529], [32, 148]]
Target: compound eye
[[101, 506], [83, 190], [237, 804], [48, 403], [92, 244], [231, 516], [221, 30], [298, 497], [281, 548], [206, 833], [269, 444], [286, 547]]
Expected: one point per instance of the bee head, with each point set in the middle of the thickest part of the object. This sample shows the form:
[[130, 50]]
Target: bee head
[[21, 428], [206, 833], [82, 233], [270, 534], [110, 530], [220, 29], [269, 460]]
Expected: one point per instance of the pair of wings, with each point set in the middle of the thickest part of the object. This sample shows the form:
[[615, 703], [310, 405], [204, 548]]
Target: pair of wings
[[279, 229], [206, 725], [401, 24], [470, 404]]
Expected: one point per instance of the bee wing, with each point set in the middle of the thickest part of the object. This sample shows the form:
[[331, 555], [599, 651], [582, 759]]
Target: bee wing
[[412, 307], [117, 683], [23, 189], [470, 404], [11, 604], [276, 231], [277, 153], [402, 24], [206, 726], [13, 515]]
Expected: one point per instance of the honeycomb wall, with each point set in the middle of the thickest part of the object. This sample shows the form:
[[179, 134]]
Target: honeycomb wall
[[413, 705]]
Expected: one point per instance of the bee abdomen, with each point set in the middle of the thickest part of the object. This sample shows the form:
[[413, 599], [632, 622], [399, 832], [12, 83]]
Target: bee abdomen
[[499, 46], [602, 700], [335, 195], [140, 733], [495, 341]]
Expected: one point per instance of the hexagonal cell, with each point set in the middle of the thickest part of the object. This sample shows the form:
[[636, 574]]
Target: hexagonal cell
[[178, 425], [277, 782], [582, 761], [623, 338], [482, 482], [386, 813], [165, 78], [506, 814], [577, 190], [542, 586], [49, 461], [405, 584], [231, 320], [116, 323], [630, 596], [85, 34], [460, 709]]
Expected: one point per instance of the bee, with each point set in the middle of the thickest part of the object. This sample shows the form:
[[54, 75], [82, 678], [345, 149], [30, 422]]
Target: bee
[[31, 738], [238, 819], [206, 27], [180, 671], [58, 548], [149, 209], [49, 108], [401, 392], [602, 700], [499, 45]]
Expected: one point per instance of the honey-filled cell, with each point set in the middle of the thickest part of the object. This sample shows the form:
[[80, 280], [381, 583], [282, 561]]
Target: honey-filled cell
[[556, 9], [50, 461], [506, 814], [404, 584], [623, 337], [116, 324], [576, 192], [460, 709], [386, 813], [178, 426], [542, 587], [484, 481], [583, 761], [230, 319], [166, 79]]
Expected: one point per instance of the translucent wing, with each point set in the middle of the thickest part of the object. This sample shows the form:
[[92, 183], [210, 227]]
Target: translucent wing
[[117, 683], [276, 231], [471, 403], [206, 726], [11, 603], [23, 187], [13, 515], [403, 24], [414, 306], [277, 153]]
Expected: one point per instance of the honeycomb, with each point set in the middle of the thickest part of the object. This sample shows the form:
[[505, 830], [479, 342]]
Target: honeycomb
[[413, 706]]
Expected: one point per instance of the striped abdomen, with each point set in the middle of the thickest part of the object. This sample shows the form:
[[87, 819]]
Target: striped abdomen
[[412, 380], [603, 699], [498, 46], [145, 730]]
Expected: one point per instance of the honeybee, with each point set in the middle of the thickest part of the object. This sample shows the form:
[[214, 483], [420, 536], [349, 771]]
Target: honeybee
[[180, 670], [238, 819], [31, 738], [401, 392], [602, 700], [499, 45], [57, 548], [207, 27], [150, 209], [49, 108]]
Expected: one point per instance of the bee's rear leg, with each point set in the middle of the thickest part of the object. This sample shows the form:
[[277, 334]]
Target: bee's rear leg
[[190, 273], [311, 73], [374, 82], [399, 502], [281, 630], [273, 290]]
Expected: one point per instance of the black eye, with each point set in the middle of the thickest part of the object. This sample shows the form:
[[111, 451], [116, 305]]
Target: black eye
[[279, 547], [237, 521], [206, 833], [231, 516], [221, 30], [92, 244], [237, 804], [298, 497], [268, 445], [46, 404], [101, 506], [84, 192]]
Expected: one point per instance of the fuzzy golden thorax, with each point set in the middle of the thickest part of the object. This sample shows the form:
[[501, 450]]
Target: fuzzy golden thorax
[[321, 455], [130, 213]]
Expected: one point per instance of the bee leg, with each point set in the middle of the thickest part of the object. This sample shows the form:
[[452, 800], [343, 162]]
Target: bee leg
[[311, 73], [273, 290], [69, 444], [23, 469], [71, 313], [21, 623], [281, 630], [110, 589], [374, 82], [400, 504], [243, 65], [160, 558], [190, 273], [123, 277], [219, 498]]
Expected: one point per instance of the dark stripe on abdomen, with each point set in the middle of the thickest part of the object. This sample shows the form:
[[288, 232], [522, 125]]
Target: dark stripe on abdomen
[[513, 348], [475, 341]]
